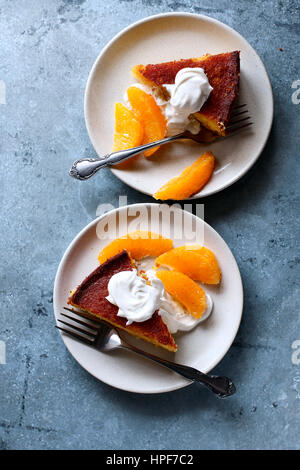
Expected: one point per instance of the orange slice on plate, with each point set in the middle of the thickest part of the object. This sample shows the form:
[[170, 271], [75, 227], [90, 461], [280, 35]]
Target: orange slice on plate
[[138, 244], [192, 179], [185, 291], [128, 130], [197, 262], [149, 114]]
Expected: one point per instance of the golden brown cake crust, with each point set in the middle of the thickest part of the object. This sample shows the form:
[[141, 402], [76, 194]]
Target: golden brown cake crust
[[222, 70], [90, 296]]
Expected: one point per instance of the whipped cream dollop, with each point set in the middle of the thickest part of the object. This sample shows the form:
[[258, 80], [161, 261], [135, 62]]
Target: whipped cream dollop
[[172, 313], [137, 300], [187, 96]]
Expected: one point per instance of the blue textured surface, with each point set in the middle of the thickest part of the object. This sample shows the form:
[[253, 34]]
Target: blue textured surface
[[46, 399]]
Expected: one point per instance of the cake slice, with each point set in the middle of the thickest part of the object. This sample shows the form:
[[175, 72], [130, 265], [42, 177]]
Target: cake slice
[[91, 295], [223, 73]]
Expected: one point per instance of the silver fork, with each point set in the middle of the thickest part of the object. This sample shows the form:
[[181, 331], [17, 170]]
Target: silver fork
[[84, 168], [105, 338]]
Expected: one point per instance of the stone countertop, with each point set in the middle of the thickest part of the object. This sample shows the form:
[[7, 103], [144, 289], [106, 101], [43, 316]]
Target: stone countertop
[[47, 401]]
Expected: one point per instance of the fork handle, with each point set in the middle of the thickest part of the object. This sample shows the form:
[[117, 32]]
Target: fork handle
[[220, 385], [84, 168]]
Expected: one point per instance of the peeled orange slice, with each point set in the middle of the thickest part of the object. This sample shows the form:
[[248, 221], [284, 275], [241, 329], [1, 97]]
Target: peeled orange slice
[[185, 291], [190, 181], [149, 114], [138, 244], [197, 262], [128, 130]]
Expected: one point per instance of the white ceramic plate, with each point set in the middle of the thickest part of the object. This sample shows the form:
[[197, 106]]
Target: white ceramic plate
[[167, 37], [202, 348]]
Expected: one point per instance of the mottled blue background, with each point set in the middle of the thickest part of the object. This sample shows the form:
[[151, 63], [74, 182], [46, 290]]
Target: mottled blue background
[[47, 400]]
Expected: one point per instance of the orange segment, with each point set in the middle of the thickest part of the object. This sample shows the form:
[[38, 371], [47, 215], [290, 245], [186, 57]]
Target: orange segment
[[128, 130], [149, 114], [190, 181], [184, 290], [138, 244], [197, 262]]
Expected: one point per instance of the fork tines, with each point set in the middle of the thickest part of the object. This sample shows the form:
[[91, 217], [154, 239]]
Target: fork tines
[[235, 125], [87, 334], [240, 106]]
